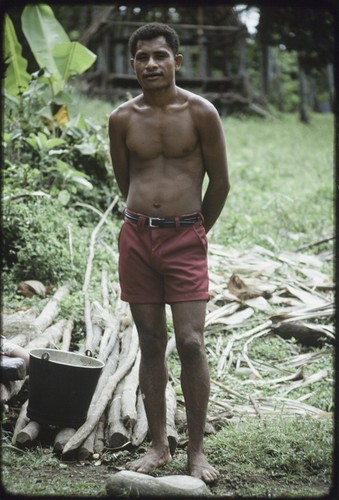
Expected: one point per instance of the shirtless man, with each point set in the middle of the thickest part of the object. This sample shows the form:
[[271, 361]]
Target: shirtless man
[[162, 144]]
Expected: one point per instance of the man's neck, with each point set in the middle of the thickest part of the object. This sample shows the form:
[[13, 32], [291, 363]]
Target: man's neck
[[160, 98]]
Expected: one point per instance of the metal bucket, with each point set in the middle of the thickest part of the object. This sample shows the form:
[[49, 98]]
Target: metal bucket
[[61, 386]]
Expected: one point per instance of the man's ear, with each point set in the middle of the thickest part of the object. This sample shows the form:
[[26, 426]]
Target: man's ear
[[131, 61], [179, 58]]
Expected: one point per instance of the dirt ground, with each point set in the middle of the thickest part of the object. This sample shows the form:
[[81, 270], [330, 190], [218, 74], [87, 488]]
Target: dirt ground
[[49, 475], [89, 478]]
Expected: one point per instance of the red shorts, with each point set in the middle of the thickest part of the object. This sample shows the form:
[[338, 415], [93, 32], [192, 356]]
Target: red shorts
[[163, 265]]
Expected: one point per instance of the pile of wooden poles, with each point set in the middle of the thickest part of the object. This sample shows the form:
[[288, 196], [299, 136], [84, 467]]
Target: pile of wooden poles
[[116, 417]]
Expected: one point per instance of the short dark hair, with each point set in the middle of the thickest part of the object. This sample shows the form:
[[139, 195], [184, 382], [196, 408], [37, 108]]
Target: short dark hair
[[153, 30]]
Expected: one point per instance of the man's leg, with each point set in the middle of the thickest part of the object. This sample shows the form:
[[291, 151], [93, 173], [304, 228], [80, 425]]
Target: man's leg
[[189, 321], [150, 320]]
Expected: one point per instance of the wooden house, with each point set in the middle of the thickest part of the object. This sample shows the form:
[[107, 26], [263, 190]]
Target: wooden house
[[214, 54]]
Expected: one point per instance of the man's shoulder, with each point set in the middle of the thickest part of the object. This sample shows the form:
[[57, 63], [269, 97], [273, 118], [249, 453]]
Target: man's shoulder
[[124, 109], [197, 103]]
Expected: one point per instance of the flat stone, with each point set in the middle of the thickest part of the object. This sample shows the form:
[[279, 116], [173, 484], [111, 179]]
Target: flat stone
[[127, 484]]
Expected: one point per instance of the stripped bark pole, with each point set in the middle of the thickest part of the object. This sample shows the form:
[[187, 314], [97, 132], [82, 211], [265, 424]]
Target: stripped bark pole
[[111, 321], [65, 433], [171, 346], [61, 438], [104, 289], [140, 429], [99, 442], [51, 310], [21, 422], [10, 389], [97, 408], [35, 327], [19, 327], [86, 449], [107, 372], [129, 395], [50, 337], [28, 434], [97, 333], [171, 405], [89, 266], [67, 335], [117, 436], [112, 329], [22, 338]]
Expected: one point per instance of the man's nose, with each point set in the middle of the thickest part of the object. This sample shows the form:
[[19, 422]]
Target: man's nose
[[151, 63]]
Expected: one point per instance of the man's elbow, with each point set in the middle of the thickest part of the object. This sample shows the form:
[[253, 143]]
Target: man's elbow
[[224, 187]]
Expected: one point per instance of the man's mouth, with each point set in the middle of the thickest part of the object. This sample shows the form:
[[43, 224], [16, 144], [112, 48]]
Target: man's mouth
[[151, 76]]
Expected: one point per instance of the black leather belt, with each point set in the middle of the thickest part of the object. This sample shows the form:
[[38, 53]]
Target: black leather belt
[[184, 220]]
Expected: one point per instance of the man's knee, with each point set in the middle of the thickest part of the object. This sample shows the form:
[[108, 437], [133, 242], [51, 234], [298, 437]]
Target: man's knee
[[152, 343], [190, 347]]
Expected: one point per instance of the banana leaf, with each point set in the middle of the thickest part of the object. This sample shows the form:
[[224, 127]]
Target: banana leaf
[[43, 32], [72, 58], [16, 77], [52, 48]]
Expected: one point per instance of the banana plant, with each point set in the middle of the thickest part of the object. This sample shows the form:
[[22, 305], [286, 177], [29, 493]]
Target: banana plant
[[16, 78], [55, 53], [57, 56]]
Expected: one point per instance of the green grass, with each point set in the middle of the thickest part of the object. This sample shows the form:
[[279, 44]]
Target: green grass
[[265, 454], [282, 189], [263, 458]]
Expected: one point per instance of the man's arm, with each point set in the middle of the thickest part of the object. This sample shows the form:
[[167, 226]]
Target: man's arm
[[215, 162], [118, 150]]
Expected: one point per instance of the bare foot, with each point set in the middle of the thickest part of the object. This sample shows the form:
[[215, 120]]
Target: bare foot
[[199, 467], [152, 459]]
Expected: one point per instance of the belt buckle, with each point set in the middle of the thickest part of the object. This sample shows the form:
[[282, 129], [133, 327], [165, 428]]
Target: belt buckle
[[151, 219]]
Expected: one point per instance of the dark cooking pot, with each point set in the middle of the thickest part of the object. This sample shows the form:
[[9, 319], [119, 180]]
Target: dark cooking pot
[[61, 386]]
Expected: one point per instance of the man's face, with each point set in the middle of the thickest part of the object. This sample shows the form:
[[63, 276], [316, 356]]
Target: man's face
[[154, 63]]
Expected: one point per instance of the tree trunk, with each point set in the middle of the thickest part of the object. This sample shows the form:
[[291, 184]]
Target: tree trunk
[[303, 108], [267, 65], [331, 88]]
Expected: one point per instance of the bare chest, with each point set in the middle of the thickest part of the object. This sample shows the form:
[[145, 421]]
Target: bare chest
[[171, 135]]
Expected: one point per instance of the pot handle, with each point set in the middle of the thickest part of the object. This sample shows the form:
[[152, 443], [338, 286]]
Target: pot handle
[[45, 356], [88, 353]]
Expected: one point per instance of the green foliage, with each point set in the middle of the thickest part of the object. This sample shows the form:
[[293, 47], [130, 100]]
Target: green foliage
[[284, 94], [309, 31], [36, 242], [17, 78], [44, 149], [58, 58], [70, 166]]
